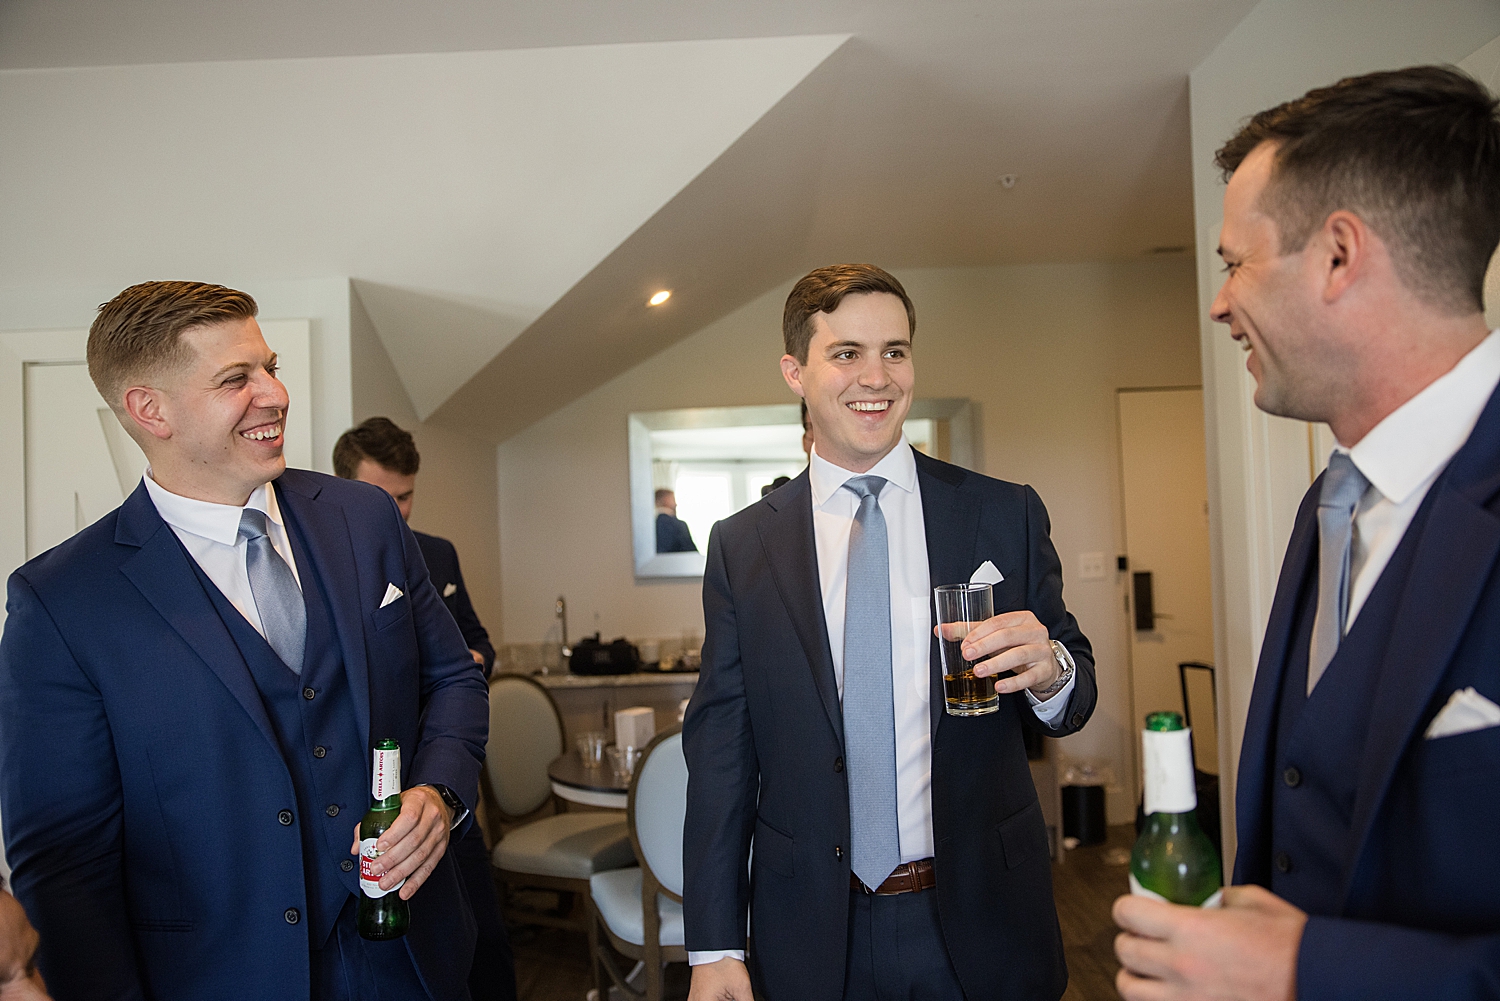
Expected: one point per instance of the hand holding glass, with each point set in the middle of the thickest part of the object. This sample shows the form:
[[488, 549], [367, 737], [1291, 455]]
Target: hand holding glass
[[961, 607]]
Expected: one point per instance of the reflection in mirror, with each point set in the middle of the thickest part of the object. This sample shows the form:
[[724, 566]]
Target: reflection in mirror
[[692, 468]]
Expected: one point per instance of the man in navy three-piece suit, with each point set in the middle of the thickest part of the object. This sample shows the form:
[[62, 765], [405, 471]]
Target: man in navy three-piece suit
[[898, 852], [1358, 224], [191, 687]]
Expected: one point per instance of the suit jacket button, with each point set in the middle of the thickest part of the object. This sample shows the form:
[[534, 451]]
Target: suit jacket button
[[333, 810], [320, 751], [285, 816], [1283, 862], [308, 694], [347, 865], [838, 764], [292, 915], [838, 851], [1292, 777], [1077, 719]]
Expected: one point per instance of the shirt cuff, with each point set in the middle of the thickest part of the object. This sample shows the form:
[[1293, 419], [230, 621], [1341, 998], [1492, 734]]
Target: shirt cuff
[[1054, 705], [704, 958]]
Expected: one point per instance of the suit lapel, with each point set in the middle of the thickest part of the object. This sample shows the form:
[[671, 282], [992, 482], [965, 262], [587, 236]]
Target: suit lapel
[[325, 536], [786, 537], [1257, 750], [161, 570], [1454, 561], [950, 519]]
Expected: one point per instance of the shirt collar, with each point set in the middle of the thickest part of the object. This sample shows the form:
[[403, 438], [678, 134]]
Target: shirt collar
[[216, 522], [899, 467], [1417, 439]]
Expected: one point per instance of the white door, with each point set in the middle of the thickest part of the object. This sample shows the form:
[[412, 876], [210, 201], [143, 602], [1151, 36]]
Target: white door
[[1166, 536]]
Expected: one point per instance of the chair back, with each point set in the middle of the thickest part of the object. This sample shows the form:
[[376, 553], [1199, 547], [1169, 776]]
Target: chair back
[[526, 735], [657, 808]]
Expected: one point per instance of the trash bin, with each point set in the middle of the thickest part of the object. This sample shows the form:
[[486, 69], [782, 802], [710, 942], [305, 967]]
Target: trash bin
[[1084, 816]]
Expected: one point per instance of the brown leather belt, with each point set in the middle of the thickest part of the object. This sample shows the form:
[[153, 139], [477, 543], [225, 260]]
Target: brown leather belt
[[909, 877]]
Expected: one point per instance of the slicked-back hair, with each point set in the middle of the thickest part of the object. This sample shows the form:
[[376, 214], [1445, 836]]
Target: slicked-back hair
[[138, 333], [822, 290], [382, 442], [1415, 153]]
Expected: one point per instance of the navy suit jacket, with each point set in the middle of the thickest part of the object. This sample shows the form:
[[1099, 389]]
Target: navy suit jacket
[[1420, 886], [141, 780], [764, 739], [442, 568]]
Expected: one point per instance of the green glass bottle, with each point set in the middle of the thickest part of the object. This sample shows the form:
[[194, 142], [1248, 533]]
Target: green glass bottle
[[382, 914], [1173, 859]]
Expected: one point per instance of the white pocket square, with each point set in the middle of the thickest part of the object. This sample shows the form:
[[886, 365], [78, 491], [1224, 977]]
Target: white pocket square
[[1465, 712], [987, 573], [392, 592], [450, 590]]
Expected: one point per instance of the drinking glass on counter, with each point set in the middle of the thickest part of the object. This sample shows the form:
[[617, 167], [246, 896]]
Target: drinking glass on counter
[[591, 748], [624, 759], [961, 607]]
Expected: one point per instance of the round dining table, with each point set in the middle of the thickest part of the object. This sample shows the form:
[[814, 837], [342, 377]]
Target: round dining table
[[591, 785]]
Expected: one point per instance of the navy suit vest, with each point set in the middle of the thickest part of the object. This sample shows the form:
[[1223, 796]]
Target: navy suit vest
[[1320, 738], [314, 719]]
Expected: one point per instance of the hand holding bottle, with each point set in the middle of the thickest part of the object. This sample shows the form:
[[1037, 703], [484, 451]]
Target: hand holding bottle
[[1244, 949]]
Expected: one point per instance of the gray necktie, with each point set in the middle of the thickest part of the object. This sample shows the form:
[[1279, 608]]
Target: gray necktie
[[869, 708], [1343, 486], [278, 599]]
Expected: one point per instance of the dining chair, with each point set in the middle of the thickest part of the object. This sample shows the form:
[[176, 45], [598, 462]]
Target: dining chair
[[559, 852], [639, 910]]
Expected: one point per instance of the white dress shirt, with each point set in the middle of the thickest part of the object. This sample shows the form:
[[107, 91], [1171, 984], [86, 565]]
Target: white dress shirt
[[900, 499], [1402, 456], [211, 534]]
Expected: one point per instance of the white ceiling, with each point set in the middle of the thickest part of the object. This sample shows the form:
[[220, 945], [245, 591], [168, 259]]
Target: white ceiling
[[504, 213]]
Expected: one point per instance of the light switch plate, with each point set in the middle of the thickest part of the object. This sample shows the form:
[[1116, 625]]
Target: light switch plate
[[1090, 566]]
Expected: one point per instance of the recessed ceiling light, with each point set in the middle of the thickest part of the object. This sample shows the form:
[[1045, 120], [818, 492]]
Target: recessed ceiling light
[[659, 298], [1008, 181]]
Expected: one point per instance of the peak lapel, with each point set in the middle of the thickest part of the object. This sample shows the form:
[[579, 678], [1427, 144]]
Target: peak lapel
[[325, 536], [950, 519], [786, 538], [161, 570]]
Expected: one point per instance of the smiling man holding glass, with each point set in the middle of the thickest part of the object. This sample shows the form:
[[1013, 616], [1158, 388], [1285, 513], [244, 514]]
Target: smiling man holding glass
[[894, 844]]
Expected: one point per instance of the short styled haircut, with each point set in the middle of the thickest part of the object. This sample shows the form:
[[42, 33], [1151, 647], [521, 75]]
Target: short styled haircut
[[1415, 153], [662, 493], [382, 442], [822, 290], [138, 333]]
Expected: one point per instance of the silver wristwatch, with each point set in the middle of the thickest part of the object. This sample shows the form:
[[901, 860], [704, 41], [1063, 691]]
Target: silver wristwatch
[[1065, 663]]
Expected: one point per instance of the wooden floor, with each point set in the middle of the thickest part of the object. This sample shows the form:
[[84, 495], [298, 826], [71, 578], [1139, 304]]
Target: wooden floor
[[552, 965]]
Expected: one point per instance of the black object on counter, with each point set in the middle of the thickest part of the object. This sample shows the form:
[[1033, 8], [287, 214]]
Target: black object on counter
[[590, 656], [1083, 814]]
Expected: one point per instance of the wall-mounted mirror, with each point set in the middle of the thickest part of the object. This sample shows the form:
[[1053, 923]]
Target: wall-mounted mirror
[[691, 468]]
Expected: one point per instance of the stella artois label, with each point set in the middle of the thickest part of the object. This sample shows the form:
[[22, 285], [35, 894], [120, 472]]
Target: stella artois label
[[369, 883], [386, 778]]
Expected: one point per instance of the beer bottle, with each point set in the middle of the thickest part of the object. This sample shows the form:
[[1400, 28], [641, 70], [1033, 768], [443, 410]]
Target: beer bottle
[[1173, 859], [382, 914]]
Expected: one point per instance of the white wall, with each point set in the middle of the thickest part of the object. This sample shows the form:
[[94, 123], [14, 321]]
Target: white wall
[[456, 490], [1041, 350], [1259, 467]]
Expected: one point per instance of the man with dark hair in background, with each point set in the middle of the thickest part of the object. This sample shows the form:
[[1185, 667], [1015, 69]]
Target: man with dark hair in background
[[1358, 223], [379, 452], [672, 533], [899, 852]]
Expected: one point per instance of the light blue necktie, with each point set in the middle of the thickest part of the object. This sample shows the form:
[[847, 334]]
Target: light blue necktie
[[869, 708], [278, 599], [1343, 486]]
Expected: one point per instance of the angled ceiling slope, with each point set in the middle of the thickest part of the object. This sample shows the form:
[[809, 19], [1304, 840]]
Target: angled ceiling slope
[[465, 192]]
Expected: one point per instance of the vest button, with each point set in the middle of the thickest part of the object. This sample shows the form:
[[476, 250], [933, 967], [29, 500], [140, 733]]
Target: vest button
[[333, 810], [1292, 777], [1283, 862], [347, 865], [308, 694], [292, 915], [285, 816], [320, 751], [838, 764]]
